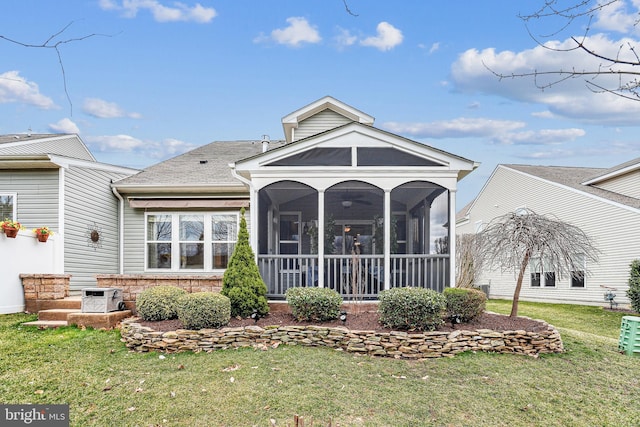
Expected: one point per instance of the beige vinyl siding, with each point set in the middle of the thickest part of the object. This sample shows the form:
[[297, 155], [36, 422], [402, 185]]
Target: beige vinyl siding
[[37, 196], [614, 230], [323, 121], [69, 146], [90, 204], [627, 184], [134, 240]]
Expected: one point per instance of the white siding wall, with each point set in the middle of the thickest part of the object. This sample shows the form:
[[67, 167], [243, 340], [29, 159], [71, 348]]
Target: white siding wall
[[89, 202], [37, 195], [68, 146], [627, 184], [614, 230], [134, 239], [325, 120]]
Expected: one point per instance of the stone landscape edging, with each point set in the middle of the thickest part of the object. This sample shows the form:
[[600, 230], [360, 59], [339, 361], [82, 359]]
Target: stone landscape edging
[[397, 344]]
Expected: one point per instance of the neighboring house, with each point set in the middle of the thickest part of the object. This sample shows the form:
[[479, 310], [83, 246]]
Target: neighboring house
[[604, 203], [378, 207], [54, 181]]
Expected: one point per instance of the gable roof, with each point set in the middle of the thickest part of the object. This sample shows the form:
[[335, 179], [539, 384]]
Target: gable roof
[[630, 166], [292, 120], [68, 145], [202, 169], [574, 178]]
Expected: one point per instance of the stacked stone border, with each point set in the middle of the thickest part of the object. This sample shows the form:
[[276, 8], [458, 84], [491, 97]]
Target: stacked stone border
[[397, 344]]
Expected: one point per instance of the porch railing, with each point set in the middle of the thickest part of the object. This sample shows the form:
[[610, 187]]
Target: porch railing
[[354, 277]]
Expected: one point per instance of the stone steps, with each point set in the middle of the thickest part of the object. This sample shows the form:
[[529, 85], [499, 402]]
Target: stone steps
[[68, 311]]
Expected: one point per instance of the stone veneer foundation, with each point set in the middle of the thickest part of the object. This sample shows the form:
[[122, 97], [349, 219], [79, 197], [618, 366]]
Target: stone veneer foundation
[[402, 345], [133, 284]]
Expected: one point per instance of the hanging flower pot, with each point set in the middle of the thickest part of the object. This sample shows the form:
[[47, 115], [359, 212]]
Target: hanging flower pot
[[10, 228], [42, 233]]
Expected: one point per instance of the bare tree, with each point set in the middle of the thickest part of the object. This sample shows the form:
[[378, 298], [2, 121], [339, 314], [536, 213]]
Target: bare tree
[[469, 261], [510, 241], [623, 66]]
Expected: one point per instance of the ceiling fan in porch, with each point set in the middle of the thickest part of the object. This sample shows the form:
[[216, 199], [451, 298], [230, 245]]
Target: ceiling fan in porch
[[347, 200]]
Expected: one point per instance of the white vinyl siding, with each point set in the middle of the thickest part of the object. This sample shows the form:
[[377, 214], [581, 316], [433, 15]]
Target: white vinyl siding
[[90, 204], [614, 230], [318, 123], [627, 184]]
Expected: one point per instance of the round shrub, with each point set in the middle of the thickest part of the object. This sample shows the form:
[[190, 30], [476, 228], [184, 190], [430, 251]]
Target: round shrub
[[411, 308], [314, 304], [464, 304], [201, 310], [159, 302]]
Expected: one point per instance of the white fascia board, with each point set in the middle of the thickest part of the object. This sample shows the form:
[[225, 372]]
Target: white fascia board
[[179, 189]]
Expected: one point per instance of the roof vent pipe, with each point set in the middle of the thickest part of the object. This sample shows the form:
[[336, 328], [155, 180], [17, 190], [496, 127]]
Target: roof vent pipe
[[265, 143]]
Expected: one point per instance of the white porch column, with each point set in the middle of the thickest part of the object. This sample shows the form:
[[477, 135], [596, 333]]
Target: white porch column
[[452, 238], [387, 239], [321, 238], [253, 215]]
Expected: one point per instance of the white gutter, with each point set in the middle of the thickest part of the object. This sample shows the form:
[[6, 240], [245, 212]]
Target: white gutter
[[120, 229]]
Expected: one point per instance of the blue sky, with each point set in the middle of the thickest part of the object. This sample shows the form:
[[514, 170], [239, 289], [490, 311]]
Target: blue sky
[[150, 79]]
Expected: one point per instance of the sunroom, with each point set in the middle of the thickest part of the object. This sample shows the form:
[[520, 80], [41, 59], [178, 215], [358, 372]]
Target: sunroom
[[355, 209]]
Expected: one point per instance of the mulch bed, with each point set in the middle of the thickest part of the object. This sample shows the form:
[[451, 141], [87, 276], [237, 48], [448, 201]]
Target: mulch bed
[[368, 321]]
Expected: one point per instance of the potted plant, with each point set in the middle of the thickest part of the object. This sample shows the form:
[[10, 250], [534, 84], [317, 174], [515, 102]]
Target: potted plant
[[11, 227], [42, 233]]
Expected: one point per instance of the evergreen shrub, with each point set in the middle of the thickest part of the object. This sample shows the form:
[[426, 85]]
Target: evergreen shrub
[[314, 304], [411, 308], [159, 302], [201, 310], [634, 285], [464, 304]]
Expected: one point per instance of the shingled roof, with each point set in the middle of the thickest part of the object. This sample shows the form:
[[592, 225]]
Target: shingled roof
[[205, 165]]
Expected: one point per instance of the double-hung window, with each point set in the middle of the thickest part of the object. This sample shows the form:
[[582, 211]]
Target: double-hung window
[[542, 274], [8, 206], [578, 271], [190, 241]]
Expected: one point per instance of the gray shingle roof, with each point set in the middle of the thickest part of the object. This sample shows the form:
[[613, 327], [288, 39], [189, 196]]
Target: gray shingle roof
[[188, 168], [4, 139], [573, 177]]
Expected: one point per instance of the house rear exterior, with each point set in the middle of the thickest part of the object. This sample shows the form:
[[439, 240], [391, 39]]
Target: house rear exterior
[[604, 203], [338, 203]]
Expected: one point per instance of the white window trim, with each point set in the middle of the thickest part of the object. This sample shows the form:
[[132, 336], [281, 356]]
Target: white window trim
[[14, 214], [584, 274], [543, 275], [175, 241]]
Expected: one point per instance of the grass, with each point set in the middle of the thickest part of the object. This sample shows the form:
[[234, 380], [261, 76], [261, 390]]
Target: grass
[[105, 384]]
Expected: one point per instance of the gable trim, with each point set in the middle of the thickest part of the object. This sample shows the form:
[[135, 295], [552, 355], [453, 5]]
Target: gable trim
[[613, 174]]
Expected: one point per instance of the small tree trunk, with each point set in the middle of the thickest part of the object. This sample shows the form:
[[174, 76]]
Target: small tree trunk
[[516, 293]]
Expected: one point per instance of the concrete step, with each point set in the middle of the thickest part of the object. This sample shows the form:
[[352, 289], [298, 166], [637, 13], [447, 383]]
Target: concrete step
[[66, 303], [46, 324], [56, 313]]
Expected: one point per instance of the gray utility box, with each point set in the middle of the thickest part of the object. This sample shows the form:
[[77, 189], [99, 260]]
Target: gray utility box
[[101, 300]]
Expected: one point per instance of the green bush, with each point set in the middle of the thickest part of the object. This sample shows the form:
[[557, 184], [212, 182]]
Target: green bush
[[314, 304], [411, 308], [634, 285], [201, 310], [242, 282], [464, 304], [159, 302]]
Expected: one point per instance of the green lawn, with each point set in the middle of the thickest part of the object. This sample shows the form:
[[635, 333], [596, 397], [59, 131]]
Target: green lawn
[[591, 384]]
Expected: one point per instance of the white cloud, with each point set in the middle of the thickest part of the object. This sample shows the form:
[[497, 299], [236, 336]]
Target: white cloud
[[540, 137], [457, 128], [128, 144], [617, 16], [15, 88], [474, 70], [298, 32], [345, 38], [387, 37], [64, 126], [161, 13], [434, 47], [105, 110]]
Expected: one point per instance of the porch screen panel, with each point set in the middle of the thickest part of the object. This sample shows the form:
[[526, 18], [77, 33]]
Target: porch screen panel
[[159, 230], [383, 156], [191, 241], [318, 157], [224, 231]]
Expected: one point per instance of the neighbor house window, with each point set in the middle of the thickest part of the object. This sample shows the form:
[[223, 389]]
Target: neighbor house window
[[577, 274], [541, 275], [7, 206], [182, 242]]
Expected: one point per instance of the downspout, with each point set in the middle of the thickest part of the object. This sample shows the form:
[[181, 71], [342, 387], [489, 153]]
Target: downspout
[[120, 228], [253, 209]]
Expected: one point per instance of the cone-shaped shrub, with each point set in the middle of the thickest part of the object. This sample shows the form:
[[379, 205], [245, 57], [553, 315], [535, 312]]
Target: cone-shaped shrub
[[242, 282], [634, 285]]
